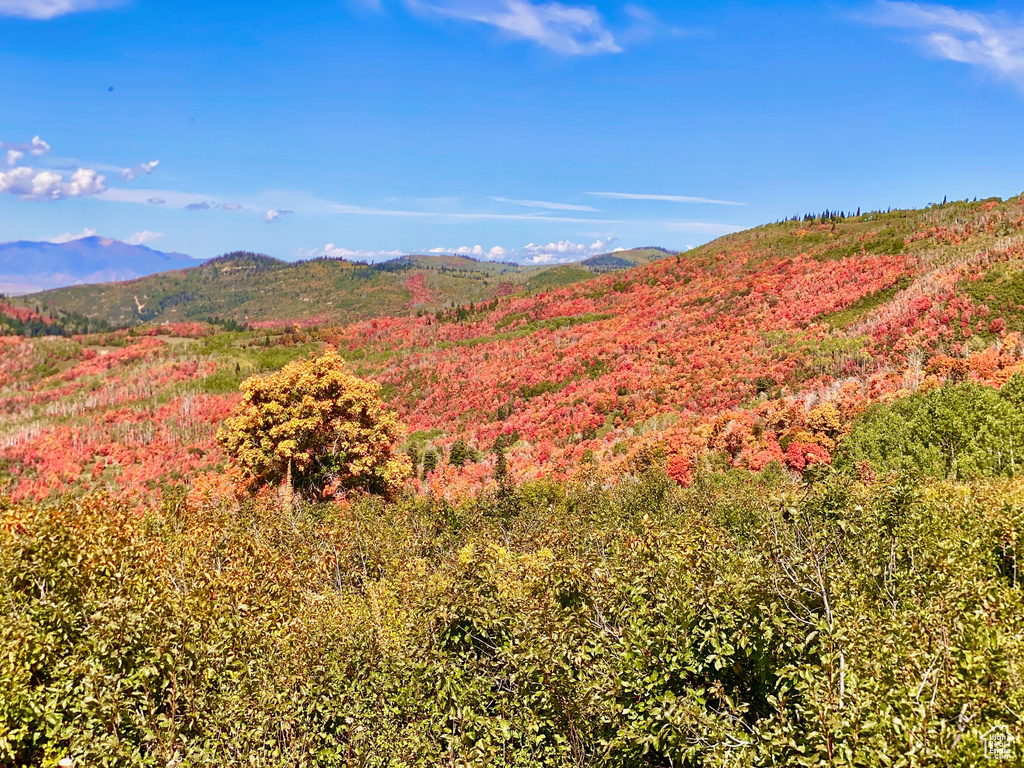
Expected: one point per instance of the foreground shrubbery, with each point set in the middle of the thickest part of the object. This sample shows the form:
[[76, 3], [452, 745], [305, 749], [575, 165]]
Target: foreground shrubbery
[[740, 621]]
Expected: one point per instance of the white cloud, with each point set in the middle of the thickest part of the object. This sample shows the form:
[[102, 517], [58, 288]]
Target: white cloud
[[274, 216], [545, 204], [48, 9], [662, 198], [563, 250], [36, 147], [68, 237], [145, 236], [533, 253], [497, 253], [31, 184], [85, 182], [128, 174], [990, 41], [567, 29], [332, 251]]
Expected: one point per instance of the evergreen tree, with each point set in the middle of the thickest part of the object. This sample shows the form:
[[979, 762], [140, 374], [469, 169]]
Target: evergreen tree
[[459, 454], [429, 462]]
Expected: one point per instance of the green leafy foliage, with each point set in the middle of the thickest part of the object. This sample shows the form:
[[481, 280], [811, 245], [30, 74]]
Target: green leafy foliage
[[959, 431], [461, 453], [862, 307], [1001, 289], [740, 621]]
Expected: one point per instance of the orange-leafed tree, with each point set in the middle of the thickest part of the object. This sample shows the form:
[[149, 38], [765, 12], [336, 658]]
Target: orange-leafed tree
[[318, 429]]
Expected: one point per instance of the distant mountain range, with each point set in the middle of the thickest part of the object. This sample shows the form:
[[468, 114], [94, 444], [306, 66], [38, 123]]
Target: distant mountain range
[[28, 266], [248, 287]]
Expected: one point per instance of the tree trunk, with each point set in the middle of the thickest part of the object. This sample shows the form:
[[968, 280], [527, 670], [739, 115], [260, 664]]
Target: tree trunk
[[289, 491]]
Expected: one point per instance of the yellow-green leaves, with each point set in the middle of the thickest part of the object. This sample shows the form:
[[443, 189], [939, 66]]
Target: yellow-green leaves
[[328, 426]]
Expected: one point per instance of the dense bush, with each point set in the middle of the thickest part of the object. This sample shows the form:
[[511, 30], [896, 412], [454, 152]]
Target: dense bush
[[959, 431], [739, 621]]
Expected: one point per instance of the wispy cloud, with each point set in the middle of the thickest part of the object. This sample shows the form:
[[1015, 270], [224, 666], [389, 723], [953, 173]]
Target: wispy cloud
[[48, 9], [567, 29], [662, 198], [546, 205], [306, 205], [645, 26], [358, 210], [700, 228], [189, 201], [993, 42], [168, 197]]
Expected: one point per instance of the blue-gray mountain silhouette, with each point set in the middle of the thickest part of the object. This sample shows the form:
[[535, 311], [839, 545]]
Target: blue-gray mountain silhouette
[[27, 266]]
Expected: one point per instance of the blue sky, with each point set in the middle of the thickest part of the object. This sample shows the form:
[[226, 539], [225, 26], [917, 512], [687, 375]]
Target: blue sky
[[518, 129]]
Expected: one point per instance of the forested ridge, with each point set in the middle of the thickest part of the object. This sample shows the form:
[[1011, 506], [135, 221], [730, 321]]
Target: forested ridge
[[250, 288]]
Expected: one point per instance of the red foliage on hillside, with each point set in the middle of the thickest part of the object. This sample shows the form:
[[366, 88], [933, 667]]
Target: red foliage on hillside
[[419, 293], [24, 314], [734, 351]]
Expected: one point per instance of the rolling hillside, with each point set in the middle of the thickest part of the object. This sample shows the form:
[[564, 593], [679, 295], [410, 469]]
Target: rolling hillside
[[727, 348], [768, 491], [250, 288]]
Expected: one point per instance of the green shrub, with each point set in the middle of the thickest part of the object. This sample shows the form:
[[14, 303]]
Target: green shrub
[[741, 621], [962, 431]]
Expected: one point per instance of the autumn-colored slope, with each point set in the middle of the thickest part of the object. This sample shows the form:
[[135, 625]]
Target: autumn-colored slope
[[759, 347]]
